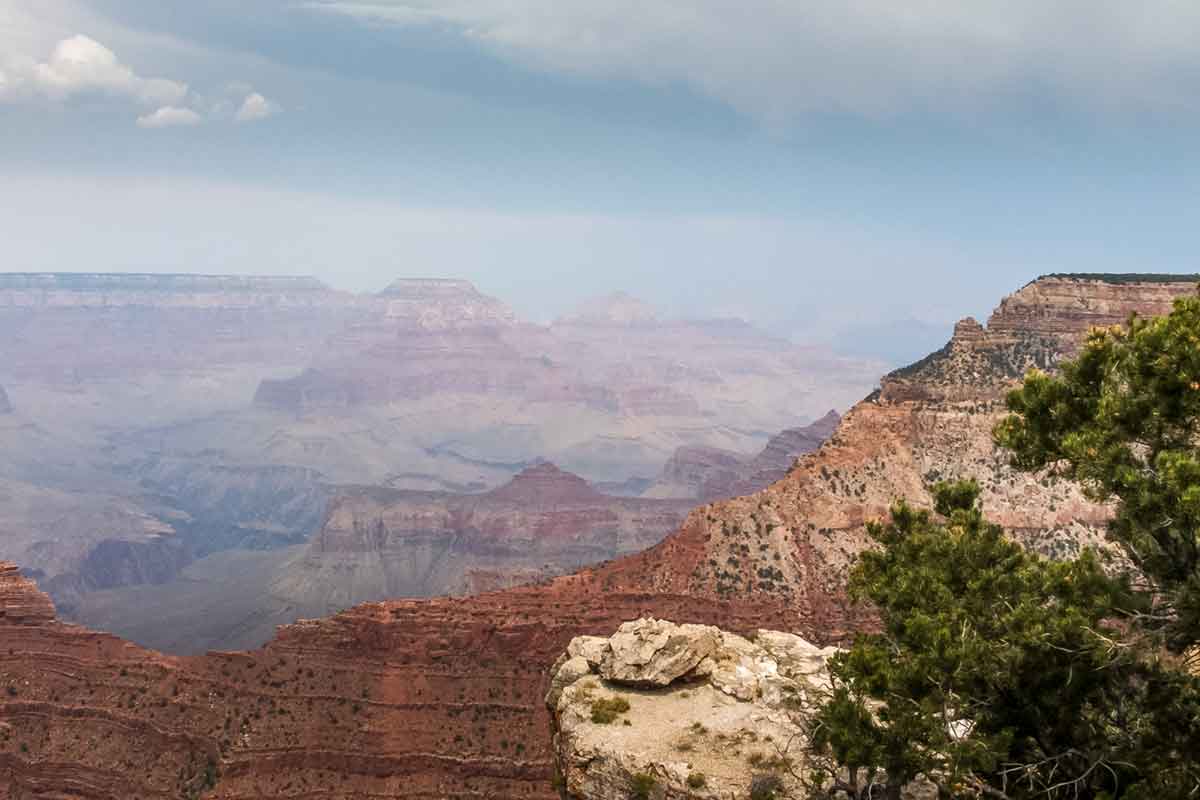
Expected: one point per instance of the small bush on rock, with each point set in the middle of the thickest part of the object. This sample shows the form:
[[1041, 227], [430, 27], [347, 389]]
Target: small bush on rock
[[607, 709], [643, 785], [765, 787]]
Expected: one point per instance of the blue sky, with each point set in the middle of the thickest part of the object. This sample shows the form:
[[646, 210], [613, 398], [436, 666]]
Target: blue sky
[[811, 165]]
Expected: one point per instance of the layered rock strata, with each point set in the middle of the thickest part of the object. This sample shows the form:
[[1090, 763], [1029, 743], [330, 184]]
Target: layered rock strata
[[445, 698], [707, 473], [377, 543], [432, 699]]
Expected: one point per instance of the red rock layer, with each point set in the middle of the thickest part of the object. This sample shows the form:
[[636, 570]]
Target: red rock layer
[[434, 699], [20, 601]]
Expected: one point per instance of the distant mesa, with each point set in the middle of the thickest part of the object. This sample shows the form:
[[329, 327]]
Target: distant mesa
[[444, 303], [617, 308], [155, 282], [430, 287]]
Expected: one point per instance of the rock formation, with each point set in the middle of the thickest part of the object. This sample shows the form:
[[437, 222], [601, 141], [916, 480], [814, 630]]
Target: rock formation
[[407, 699], [379, 543], [431, 304], [20, 601], [721, 712], [709, 473], [5, 404], [444, 698], [139, 447]]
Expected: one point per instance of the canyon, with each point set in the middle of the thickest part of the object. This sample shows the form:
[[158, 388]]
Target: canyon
[[168, 440], [444, 697]]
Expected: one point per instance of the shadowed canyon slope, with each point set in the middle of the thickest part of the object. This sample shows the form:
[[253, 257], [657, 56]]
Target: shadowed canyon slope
[[151, 422], [709, 473], [443, 698], [544, 522], [378, 543]]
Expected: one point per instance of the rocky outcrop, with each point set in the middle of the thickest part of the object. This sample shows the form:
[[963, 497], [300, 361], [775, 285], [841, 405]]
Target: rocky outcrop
[[20, 601], [682, 711]]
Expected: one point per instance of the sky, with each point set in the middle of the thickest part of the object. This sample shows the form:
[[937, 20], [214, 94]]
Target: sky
[[826, 168]]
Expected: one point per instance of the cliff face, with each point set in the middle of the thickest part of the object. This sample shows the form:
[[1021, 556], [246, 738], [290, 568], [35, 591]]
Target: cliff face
[[433, 304], [77, 327], [378, 543], [443, 698], [416, 700], [1063, 305], [111, 290], [707, 473]]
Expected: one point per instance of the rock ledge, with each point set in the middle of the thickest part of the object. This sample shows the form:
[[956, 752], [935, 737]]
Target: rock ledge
[[668, 711]]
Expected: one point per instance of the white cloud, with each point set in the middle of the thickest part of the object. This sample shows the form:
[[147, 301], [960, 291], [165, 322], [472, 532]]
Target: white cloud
[[80, 64], [169, 117], [256, 107], [777, 59]]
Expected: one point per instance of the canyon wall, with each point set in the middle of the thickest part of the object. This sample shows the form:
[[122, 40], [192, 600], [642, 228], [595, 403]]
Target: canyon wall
[[443, 698], [163, 419], [708, 473], [378, 543]]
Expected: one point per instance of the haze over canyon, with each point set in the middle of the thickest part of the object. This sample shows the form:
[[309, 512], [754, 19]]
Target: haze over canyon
[[191, 460]]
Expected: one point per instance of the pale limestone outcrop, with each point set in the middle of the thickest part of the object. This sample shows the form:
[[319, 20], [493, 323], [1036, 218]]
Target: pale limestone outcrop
[[650, 652], [731, 712]]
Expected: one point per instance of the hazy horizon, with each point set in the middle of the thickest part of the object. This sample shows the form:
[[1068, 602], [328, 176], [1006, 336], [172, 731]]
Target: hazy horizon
[[812, 167]]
